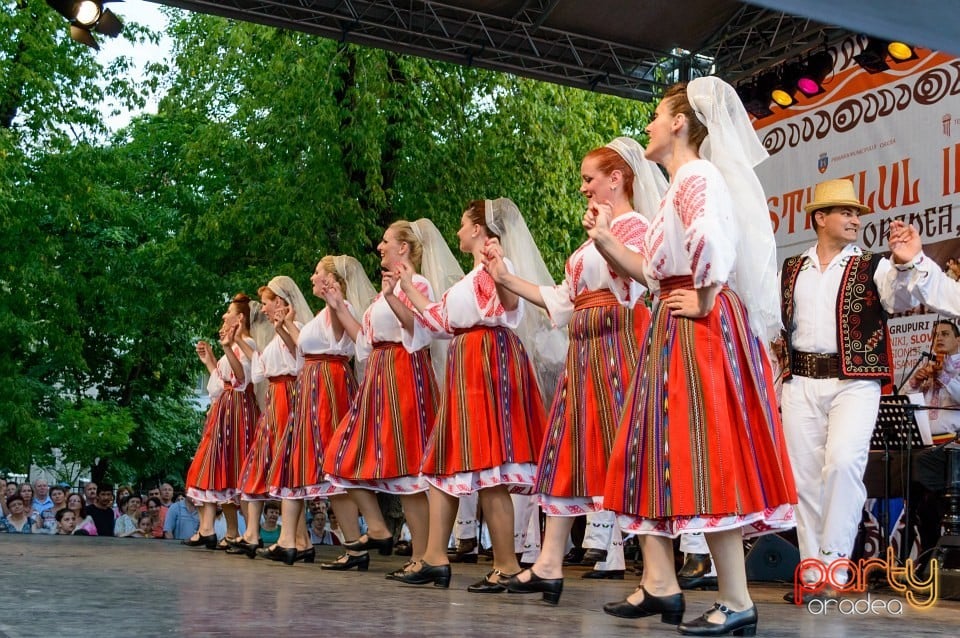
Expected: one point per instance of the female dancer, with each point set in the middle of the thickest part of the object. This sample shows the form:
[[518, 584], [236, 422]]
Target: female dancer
[[491, 419], [278, 364], [325, 388], [607, 318], [214, 474], [700, 446], [379, 444]]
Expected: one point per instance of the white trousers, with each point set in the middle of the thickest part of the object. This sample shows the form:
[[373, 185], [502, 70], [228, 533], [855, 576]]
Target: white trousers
[[526, 526], [603, 532], [466, 524], [827, 424]]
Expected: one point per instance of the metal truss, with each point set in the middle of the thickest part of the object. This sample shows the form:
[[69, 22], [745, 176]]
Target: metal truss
[[524, 44], [756, 39]]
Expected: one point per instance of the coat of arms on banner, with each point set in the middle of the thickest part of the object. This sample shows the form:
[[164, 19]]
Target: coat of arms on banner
[[822, 162]]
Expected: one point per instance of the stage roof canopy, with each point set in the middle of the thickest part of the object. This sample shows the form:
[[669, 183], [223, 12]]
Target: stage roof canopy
[[630, 48]]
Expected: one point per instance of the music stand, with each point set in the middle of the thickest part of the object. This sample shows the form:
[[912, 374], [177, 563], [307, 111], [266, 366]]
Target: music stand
[[896, 428]]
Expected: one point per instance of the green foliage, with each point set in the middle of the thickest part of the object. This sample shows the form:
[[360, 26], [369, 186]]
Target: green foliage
[[269, 149]]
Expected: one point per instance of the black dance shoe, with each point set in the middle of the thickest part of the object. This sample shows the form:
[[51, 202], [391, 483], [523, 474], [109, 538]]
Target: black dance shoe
[[669, 607], [361, 562], [550, 587], [397, 573], [605, 574], [210, 542], [286, 554], [466, 551], [487, 586], [439, 575], [593, 556], [573, 557], [738, 623], [695, 573], [306, 555], [243, 547], [384, 546]]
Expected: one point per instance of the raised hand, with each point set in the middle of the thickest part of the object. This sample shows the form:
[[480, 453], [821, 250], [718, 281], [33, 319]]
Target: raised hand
[[405, 272], [229, 334], [597, 218], [492, 249], [203, 351], [388, 281], [904, 242]]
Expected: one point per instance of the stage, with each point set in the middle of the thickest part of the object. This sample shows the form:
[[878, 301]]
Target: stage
[[88, 586]]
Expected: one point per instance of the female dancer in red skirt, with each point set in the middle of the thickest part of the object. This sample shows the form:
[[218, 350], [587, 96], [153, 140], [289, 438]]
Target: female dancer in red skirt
[[278, 364], [325, 389], [379, 444], [607, 318], [491, 419], [214, 474], [700, 446]]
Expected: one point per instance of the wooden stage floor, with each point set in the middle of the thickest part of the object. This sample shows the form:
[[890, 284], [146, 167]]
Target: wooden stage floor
[[86, 586]]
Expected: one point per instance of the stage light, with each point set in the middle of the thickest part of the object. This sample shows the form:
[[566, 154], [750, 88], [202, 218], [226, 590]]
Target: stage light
[[901, 51], [88, 12], [86, 16], [812, 72], [756, 103], [873, 58], [785, 85]]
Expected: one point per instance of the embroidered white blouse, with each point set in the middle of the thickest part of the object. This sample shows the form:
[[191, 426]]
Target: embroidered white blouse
[[586, 270], [380, 324]]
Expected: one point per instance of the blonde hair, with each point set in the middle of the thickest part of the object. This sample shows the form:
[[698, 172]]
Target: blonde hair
[[404, 232], [330, 267]]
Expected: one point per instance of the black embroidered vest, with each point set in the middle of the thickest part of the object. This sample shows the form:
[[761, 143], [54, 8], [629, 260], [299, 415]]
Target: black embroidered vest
[[863, 341]]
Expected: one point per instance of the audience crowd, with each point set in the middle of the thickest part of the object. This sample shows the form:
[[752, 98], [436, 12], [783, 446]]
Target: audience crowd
[[92, 510]]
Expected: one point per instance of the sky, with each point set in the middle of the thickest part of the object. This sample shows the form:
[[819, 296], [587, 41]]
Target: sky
[[147, 14]]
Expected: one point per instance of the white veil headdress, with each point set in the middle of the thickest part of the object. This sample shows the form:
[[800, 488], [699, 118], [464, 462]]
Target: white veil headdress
[[262, 332], [733, 147], [546, 345], [288, 290], [442, 270], [358, 289], [359, 292], [649, 184]]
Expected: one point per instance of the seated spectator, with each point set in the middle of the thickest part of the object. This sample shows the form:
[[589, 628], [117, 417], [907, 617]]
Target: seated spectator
[[9, 489], [26, 493], [102, 511], [182, 520], [269, 529], [58, 494], [122, 493], [18, 521], [66, 521], [41, 498], [155, 513], [166, 495], [126, 525], [144, 527], [89, 494], [320, 533]]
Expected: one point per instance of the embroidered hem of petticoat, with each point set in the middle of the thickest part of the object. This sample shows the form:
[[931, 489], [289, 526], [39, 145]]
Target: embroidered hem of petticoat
[[570, 505], [214, 496], [395, 485], [307, 492], [754, 524], [519, 477]]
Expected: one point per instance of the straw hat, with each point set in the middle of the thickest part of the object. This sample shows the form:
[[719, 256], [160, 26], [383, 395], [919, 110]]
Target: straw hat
[[835, 192]]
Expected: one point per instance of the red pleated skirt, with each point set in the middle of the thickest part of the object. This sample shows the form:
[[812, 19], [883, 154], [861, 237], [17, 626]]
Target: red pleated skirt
[[700, 435], [604, 338], [384, 434], [259, 459], [214, 473], [491, 412], [325, 388]]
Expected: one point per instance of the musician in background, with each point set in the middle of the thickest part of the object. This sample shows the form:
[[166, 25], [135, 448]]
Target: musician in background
[[939, 380]]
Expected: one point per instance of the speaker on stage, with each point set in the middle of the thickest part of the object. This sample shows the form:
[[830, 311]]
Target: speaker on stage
[[772, 559]]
